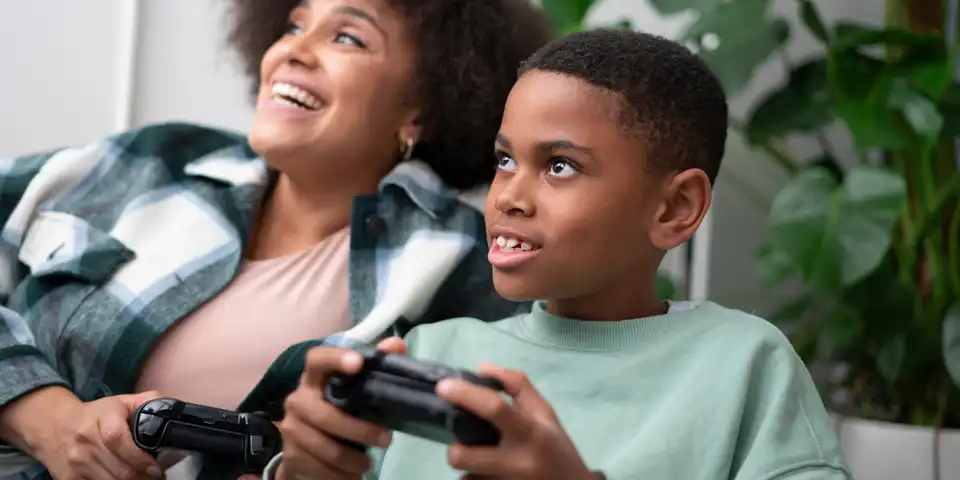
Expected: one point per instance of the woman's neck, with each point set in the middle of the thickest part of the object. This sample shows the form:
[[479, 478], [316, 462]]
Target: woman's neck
[[294, 218]]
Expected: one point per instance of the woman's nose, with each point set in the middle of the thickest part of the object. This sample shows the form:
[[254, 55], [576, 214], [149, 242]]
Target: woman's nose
[[302, 49]]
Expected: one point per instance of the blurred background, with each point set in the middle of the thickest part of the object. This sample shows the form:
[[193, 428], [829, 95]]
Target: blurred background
[[835, 213], [76, 71]]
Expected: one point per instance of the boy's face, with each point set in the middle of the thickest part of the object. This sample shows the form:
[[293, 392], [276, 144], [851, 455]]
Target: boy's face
[[572, 214]]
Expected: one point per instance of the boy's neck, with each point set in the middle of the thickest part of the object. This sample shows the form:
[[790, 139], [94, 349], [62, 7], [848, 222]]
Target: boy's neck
[[614, 304]]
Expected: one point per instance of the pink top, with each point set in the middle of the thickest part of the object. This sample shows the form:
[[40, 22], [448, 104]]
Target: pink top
[[217, 354]]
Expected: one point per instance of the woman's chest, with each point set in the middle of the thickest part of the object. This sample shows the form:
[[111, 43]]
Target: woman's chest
[[97, 294]]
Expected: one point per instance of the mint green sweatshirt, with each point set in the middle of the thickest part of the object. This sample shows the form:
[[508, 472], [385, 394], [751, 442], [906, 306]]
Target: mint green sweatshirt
[[701, 393]]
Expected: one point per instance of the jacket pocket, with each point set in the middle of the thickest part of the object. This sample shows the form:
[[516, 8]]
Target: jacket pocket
[[58, 244]]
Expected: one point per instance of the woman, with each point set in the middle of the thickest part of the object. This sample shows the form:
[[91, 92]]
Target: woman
[[173, 259]]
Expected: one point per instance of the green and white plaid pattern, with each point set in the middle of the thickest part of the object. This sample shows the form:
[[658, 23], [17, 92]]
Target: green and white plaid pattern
[[104, 247]]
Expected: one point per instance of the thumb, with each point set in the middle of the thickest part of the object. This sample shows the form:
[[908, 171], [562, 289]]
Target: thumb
[[394, 345], [133, 402]]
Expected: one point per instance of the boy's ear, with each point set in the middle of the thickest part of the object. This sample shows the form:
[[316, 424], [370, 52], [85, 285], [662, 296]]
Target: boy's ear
[[685, 201]]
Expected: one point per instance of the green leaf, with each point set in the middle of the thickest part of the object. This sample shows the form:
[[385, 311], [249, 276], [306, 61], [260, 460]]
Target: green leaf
[[837, 234], [567, 15], [665, 287], [843, 328], [740, 52], [718, 35], [920, 112], [828, 162], [862, 89], [890, 358], [811, 18], [792, 310], [951, 343], [805, 104], [928, 75], [774, 266], [851, 35], [623, 23], [950, 110], [951, 120], [670, 7]]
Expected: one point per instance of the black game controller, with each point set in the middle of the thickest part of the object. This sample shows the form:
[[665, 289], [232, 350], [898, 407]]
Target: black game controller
[[397, 392], [247, 440]]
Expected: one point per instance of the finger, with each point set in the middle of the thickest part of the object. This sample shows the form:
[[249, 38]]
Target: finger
[[97, 469], [526, 398], [116, 437], [485, 403], [479, 461], [322, 361], [309, 407], [133, 402], [248, 477], [394, 345], [113, 464], [308, 451]]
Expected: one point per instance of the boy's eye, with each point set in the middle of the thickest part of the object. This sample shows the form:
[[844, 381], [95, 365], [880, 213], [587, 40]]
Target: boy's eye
[[504, 162], [561, 167], [347, 39]]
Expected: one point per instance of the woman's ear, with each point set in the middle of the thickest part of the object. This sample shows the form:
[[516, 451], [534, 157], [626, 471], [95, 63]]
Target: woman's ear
[[685, 202], [410, 129]]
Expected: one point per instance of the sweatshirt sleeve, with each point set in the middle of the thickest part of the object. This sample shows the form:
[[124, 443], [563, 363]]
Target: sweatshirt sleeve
[[785, 432]]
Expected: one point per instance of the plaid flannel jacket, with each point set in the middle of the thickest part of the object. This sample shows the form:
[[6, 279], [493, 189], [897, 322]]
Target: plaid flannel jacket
[[105, 246]]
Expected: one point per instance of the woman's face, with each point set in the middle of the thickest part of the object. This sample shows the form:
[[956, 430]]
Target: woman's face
[[336, 91]]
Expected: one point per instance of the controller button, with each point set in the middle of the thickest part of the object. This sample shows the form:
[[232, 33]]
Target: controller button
[[256, 444]]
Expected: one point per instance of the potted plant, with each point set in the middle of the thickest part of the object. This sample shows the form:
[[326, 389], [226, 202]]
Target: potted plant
[[874, 242]]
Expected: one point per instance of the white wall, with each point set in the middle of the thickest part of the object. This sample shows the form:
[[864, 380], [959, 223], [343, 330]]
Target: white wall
[[62, 75]]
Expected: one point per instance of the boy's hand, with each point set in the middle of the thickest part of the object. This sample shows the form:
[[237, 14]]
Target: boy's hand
[[312, 428], [533, 444]]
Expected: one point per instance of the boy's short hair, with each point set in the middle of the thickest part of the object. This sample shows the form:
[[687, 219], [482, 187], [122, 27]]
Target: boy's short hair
[[670, 98]]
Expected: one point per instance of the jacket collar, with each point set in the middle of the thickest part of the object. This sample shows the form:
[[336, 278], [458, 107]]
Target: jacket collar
[[238, 166]]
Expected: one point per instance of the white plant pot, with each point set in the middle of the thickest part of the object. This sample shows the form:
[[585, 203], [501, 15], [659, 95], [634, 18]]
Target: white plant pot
[[890, 451]]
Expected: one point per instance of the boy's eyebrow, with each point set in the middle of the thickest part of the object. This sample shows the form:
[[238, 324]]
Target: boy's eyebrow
[[552, 145], [565, 145]]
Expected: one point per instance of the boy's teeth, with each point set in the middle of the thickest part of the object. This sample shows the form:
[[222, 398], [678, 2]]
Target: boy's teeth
[[507, 244], [293, 94]]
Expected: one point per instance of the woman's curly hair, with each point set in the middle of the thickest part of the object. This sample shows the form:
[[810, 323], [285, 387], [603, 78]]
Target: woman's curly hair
[[468, 54]]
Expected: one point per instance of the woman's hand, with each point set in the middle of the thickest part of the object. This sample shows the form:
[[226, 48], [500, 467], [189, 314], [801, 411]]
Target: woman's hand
[[533, 444], [312, 429], [92, 441]]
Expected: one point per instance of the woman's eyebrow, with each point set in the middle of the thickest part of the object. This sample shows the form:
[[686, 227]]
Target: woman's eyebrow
[[362, 15]]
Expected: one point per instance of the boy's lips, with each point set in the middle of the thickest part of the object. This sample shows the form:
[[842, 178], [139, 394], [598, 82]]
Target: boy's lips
[[510, 248], [501, 259]]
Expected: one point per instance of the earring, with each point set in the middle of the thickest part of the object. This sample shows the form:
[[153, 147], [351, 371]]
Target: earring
[[408, 150]]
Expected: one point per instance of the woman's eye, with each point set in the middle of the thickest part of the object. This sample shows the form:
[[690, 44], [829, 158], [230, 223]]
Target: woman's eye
[[504, 162], [562, 168], [347, 39], [294, 29]]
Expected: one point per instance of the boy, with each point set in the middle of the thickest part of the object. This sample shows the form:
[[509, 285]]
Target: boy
[[609, 146]]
